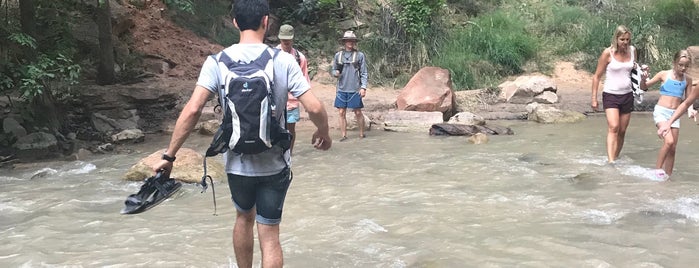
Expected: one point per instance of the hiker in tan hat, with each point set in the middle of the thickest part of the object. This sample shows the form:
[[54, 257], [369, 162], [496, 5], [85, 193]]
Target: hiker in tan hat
[[349, 66], [293, 115]]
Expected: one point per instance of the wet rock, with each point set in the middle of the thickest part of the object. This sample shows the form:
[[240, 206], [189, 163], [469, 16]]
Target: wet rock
[[478, 138], [467, 118], [187, 168], [446, 129], [548, 114], [406, 121], [129, 136], [11, 125], [38, 145]]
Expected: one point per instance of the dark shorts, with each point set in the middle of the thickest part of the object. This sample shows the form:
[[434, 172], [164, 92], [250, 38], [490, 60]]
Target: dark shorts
[[349, 100], [265, 193], [622, 102]]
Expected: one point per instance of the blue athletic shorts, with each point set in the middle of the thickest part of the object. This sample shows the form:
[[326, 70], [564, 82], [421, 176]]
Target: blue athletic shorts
[[662, 114], [348, 100], [293, 116], [265, 193]]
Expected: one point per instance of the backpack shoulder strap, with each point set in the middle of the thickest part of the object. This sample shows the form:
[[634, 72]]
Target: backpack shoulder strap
[[297, 55], [355, 60]]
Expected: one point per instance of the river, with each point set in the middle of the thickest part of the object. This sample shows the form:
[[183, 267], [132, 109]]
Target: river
[[541, 198]]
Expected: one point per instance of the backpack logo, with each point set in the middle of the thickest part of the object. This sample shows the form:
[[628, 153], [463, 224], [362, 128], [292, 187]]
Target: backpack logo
[[249, 123], [246, 88]]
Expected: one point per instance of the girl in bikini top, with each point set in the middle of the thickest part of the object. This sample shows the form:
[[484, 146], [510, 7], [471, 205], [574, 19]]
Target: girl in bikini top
[[673, 88]]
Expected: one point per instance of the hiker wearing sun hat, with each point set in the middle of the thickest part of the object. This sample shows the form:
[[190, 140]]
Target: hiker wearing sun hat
[[349, 66], [293, 115]]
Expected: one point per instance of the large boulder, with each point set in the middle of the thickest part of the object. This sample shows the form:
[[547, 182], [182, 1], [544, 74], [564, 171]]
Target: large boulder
[[429, 90], [524, 89], [187, 168]]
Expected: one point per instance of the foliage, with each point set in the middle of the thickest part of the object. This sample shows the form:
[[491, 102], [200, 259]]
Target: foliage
[[31, 80], [415, 16], [677, 14], [495, 45], [473, 7], [182, 5], [23, 40], [53, 70], [315, 11]]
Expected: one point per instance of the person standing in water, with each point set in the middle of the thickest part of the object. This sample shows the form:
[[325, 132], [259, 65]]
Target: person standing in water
[[615, 62], [349, 66], [293, 115], [258, 182], [675, 86]]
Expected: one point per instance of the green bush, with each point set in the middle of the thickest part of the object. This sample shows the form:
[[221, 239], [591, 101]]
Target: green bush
[[495, 45], [677, 14]]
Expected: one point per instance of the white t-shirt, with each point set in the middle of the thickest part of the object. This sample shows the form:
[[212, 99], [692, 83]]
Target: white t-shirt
[[288, 78]]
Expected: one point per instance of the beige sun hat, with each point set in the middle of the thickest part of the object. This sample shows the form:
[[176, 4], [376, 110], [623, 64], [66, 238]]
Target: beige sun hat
[[349, 35], [286, 32]]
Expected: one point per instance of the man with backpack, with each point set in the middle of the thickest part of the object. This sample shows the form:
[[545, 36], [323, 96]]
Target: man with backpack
[[349, 66], [286, 39], [258, 180]]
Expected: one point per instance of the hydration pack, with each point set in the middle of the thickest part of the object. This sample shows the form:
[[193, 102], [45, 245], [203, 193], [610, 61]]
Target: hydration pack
[[246, 95], [250, 125]]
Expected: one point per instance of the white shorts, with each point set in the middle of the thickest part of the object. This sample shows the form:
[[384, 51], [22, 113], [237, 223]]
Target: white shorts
[[662, 114]]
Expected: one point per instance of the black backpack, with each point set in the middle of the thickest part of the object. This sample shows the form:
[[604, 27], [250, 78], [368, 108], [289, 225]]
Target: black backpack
[[250, 125], [246, 95]]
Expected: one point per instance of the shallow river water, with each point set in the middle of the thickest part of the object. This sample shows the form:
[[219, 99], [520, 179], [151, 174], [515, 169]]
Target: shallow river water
[[541, 198]]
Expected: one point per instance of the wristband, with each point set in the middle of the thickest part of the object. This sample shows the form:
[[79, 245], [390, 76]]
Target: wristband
[[169, 158]]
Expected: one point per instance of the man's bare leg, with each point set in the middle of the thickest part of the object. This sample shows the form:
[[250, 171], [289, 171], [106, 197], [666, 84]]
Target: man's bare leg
[[272, 255], [243, 238]]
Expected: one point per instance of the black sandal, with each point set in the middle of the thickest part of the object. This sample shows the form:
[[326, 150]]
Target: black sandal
[[153, 192]]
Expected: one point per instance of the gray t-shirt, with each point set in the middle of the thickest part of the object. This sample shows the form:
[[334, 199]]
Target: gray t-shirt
[[287, 78]]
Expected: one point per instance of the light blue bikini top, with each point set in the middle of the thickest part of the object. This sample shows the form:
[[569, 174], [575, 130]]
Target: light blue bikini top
[[673, 88]]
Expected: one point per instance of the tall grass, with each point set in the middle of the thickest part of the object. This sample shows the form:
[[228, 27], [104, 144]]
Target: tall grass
[[565, 30], [492, 46]]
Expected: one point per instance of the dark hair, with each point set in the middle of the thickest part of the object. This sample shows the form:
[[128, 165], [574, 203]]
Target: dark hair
[[248, 14]]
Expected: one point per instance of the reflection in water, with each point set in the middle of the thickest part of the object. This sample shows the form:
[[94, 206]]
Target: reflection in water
[[542, 198]]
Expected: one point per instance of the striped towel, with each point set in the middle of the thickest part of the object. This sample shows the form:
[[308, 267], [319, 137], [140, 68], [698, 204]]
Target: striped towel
[[636, 82]]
